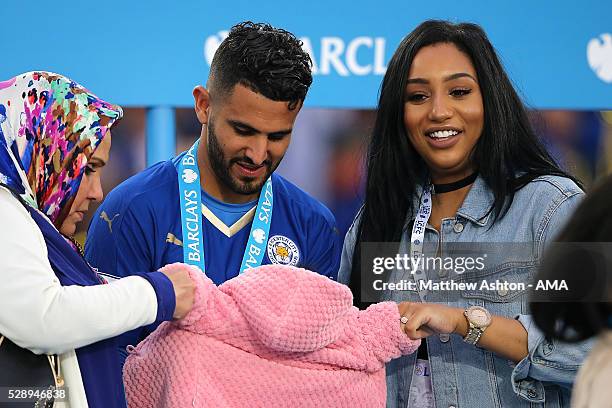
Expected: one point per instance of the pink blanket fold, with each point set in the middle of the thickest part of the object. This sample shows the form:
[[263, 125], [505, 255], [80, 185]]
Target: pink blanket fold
[[275, 336]]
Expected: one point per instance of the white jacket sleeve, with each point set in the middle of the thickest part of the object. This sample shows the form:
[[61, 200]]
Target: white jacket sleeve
[[39, 314]]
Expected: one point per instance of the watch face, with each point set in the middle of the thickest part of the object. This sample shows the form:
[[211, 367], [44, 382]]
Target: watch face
[[479, 316]]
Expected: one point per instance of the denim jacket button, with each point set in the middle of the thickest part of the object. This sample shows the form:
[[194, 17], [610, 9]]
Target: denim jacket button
[[502, 291], [444, 338], [531, 393], [458, 227]]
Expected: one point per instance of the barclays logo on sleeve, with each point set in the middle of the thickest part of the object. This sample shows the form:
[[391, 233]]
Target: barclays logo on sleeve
[[599, 56], [358, 56]]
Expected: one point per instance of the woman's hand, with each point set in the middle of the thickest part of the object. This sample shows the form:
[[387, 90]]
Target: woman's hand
[[425, 319], [184, 287], [505, 337]]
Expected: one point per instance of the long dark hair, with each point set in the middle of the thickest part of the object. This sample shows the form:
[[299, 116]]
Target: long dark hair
[[508, 145], [584, 309]]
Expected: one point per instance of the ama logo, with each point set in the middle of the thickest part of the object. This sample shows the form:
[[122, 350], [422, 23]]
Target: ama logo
[[358, 56], [599, 55]]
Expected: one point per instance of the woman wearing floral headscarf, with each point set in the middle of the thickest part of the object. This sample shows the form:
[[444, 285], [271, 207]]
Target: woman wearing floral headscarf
[[54, 139]]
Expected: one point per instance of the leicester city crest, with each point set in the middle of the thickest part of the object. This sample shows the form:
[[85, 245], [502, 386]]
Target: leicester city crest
[[283, 251]]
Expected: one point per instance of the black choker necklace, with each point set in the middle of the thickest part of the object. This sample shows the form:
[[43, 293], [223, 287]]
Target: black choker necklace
[[456, 185]]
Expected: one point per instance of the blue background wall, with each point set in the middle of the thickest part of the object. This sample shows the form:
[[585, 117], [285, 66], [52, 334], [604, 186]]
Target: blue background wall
[[153, 53]]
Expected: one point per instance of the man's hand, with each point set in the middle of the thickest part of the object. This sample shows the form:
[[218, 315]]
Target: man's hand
[[184, 287], [425, 319]]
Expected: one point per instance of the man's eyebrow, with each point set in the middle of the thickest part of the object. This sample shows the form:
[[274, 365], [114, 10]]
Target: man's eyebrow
[[280, 133], [242, 126], [249, 128]]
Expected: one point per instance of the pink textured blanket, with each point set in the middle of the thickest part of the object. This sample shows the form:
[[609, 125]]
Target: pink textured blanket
[[275, 336]]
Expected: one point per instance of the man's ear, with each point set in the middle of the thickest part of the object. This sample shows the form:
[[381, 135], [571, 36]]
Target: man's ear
[[202, 103]]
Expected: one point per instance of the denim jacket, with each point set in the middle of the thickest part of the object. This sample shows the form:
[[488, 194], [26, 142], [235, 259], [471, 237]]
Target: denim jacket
[[467, 376]]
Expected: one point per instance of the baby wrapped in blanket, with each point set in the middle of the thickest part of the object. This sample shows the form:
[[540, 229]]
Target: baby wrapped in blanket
[[275, 336]]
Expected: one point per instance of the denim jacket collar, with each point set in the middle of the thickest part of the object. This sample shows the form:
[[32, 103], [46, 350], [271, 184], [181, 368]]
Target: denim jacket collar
[[476, 206]]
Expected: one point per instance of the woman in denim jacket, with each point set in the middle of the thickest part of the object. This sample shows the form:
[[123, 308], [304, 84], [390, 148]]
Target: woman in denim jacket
[[452, 147]]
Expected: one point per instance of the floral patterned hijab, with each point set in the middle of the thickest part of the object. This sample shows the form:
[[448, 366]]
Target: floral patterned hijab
[[49, 127]]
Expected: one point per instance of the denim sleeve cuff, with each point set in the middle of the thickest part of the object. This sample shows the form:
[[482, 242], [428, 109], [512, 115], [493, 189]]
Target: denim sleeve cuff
[[164, 290], [548, 361], [528, 388]]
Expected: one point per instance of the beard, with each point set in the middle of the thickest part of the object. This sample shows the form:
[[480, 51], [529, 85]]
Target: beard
[[221, 166]]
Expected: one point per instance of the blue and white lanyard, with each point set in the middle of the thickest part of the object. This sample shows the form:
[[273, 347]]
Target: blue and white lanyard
[[417, 237], [191, 216]]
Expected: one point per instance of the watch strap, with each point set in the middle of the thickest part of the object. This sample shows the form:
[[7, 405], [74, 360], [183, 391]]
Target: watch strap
[[473, 335]]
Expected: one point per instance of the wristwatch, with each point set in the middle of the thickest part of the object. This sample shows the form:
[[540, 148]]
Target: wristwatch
[[478, 319]]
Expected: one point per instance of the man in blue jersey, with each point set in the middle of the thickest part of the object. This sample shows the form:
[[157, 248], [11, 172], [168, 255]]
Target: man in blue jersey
[[219, 205]]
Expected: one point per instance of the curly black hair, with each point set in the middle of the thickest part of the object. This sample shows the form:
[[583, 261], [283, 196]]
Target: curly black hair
[[268, 60]]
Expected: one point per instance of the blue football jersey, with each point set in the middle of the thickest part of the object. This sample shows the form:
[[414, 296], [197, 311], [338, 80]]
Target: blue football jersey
[[138, 229]]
